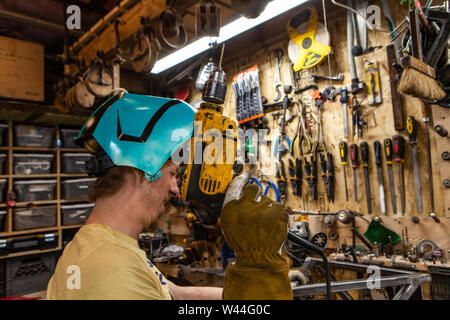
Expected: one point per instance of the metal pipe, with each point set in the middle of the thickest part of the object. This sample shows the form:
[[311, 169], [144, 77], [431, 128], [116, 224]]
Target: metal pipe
[[21, 18]]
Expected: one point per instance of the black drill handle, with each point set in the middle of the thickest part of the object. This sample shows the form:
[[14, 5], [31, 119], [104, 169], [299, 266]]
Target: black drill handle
[[411, 128], [364, 153], [354, 155], [377, 150], [399, 148], [388, 150], [343, 152]]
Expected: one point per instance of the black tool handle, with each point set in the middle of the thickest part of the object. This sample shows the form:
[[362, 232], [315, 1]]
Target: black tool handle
[[411, 128], [354, 155], [298, 168], [343, 152], [291, 169], [377, 150], [398, 145], [388, 150], [364, 153], [283, 173]]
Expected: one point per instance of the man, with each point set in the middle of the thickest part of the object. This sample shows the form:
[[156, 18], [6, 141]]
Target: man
[[132, 137]]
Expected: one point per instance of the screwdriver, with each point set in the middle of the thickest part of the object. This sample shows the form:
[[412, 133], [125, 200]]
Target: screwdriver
[[399, 157], [388, 154], [365, 160], [355, 164], [343, 153]]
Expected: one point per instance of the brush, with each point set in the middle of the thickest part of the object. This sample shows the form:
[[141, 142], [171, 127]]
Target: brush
[[418, 80]]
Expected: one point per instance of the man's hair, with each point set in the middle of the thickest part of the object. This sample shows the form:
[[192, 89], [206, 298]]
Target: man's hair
[[112, 182]]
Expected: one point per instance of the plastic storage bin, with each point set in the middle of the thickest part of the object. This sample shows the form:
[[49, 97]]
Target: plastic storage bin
[[33, 136], [35, 190], [2, 218], [2, 188], [28, 242], [3, 129], [32, 163], [2, 163], [68, 136], [29, 274], [40, 217], [76, 214], [76, 188], [75, 162]]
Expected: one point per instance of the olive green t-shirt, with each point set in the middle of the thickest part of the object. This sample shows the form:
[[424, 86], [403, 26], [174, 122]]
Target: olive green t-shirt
[[102, 263]]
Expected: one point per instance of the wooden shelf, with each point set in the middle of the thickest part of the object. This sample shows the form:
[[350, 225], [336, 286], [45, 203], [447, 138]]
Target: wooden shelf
[[72, 226], [40, 149], [29, 231], [26, 253], [56, 173], [73, 175], [25, 204], [34, 176]]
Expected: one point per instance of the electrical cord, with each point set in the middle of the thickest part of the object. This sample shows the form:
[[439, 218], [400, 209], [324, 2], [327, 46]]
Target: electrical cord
[[358, 13]]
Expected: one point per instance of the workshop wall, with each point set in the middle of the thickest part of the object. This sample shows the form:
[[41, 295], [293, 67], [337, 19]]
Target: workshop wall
[[380, 125]]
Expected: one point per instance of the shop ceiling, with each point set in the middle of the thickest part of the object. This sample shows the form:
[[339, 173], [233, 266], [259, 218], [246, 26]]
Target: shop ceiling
[[42, 21]]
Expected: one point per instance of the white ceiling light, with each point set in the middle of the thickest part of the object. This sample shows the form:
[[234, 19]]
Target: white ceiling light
[[273, 9]]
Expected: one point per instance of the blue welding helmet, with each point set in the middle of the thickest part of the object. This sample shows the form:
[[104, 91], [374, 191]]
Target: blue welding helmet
[[137, 131]]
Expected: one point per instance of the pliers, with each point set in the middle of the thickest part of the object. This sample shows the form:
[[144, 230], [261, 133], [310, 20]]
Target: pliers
[[295, 171], [266, 190], [327, 170], [311, 173], [302, 131], [282, 181]]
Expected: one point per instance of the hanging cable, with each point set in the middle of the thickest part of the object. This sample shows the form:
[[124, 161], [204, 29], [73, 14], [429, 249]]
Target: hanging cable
[[358, 13]]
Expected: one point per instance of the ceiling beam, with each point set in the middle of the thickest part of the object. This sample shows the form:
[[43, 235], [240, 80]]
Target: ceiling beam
[[22, 18]]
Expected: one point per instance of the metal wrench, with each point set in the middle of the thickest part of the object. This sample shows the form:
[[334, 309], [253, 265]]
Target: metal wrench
[[279, 54]]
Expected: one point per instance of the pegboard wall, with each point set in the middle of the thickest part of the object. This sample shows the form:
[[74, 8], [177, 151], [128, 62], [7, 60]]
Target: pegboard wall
[[380, 125]]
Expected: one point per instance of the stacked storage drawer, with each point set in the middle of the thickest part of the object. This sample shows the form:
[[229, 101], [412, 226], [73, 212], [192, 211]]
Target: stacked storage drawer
[[2, 278], [2, 188], [29, 274], [76, 214], [35, 190], [75, 162], [2, 219], [28, 242], [2, 163], [75, 189], [68, 136], [32, 163], [33, 218], [33, 136], [3, 129]]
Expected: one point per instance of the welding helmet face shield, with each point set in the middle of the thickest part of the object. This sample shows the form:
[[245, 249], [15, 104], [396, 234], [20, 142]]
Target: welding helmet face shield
[[137, 131]]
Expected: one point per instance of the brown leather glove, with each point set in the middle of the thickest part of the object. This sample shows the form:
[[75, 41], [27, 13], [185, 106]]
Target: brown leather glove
[[256, 229]]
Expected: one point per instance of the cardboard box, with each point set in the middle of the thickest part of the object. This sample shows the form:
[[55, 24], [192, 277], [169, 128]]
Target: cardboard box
[[21, 69]]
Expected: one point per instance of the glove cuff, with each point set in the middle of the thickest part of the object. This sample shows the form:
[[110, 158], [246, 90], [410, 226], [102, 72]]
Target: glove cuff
[[243, 283]]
